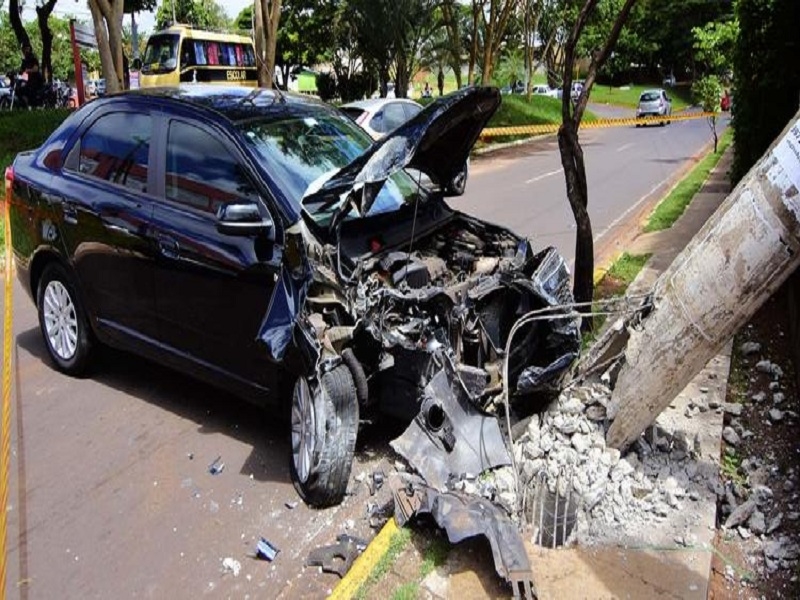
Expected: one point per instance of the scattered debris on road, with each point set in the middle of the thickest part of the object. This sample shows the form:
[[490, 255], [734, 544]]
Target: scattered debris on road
[[339, 557], [217, 466], [231, 565], [265, 550]]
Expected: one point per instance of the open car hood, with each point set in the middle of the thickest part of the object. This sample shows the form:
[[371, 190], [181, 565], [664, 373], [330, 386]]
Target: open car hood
[[437, 141]]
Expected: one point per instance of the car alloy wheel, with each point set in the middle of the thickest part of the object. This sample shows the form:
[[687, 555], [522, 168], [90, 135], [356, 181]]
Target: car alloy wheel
[[303, 429], [60, 319]]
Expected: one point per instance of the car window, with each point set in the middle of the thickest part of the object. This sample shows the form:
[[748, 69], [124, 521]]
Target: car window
[[412, 110], [377, 123], [393, 116], [649, 97], [201, 172], [353, 112], [115, 148]]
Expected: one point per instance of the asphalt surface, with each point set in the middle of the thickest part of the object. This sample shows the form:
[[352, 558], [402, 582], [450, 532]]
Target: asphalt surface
[[110, 490], [523, 187]]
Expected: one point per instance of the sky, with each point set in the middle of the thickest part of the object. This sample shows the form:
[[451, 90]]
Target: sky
[[146, 21]]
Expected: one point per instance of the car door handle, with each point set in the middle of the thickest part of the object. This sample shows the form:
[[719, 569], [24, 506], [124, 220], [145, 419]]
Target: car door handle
[[168, 247]]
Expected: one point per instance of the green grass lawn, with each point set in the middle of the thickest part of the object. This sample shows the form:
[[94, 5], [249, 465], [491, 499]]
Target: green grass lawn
[[628, 96], [671, 208], [24, 130]]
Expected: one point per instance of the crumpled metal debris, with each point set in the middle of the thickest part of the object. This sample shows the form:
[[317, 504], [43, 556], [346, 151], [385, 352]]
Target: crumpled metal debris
[[339, 557], [266, 550], [463, 516], [449, 435]]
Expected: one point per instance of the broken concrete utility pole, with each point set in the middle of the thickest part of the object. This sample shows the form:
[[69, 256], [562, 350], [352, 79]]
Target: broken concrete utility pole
[[745, 251]]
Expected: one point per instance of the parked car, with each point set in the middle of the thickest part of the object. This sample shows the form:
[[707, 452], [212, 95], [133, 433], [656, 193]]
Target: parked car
[[99, 86], [544, 90], [262, 242], [380, 116], [5, 94], [654, 103]]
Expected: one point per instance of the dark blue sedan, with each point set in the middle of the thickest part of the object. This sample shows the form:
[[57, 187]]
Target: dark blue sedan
[[262, 242]]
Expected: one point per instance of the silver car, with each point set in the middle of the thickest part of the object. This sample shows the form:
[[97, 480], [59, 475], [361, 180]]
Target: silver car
[[654, 103]]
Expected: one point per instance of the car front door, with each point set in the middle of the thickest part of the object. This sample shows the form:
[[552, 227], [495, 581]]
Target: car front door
[[105, 209], [213, 289]]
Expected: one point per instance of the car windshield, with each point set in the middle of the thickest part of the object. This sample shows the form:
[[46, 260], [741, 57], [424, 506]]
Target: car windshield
[[649, 97], [161, 54], [300, 150]]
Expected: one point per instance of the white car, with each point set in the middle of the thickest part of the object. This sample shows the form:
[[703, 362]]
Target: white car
[[543, 90], [380, 116]]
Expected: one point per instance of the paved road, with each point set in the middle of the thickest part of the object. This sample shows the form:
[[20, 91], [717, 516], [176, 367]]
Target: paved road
[[110, 490], [523, 187]]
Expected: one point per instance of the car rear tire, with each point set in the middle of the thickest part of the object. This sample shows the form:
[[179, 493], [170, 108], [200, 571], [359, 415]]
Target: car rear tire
[[324, 425], [62, 321], [458, 185]]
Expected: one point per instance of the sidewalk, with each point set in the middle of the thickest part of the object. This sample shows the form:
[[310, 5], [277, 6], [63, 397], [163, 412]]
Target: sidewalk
[[666, 565]]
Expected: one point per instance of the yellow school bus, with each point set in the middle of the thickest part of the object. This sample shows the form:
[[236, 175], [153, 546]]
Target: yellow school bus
[[182, 54]]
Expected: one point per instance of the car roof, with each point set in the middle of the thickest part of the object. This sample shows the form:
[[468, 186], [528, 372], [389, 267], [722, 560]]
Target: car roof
[[374, 103], [652, 91], [237, 103]]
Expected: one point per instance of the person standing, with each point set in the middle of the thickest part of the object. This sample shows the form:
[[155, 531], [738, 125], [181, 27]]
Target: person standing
[[31, 73]]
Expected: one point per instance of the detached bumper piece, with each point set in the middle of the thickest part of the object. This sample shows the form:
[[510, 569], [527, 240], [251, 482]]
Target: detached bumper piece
[[463, 517], [450, 437]]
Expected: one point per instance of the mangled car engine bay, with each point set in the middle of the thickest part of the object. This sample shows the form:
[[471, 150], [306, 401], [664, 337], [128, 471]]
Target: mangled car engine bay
[[415, 313]]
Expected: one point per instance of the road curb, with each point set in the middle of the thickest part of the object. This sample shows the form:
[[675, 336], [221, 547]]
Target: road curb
[[363, 566]]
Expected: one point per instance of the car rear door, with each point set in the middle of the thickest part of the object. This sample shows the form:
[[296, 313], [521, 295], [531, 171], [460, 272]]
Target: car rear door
[[212, 289], [104, 211]]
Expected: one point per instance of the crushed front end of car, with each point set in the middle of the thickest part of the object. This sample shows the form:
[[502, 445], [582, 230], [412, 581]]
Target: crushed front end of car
[[423, 306]]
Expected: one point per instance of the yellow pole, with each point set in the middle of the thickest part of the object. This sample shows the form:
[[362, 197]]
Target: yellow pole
[[5, 431]]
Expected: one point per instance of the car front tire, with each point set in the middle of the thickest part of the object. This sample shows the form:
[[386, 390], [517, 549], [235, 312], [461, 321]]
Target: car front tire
[[324, 422], [62, 321]]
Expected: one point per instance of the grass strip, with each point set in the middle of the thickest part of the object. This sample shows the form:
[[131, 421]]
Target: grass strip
[[612, 284], [628, 96], [397, 544], [671, 208]]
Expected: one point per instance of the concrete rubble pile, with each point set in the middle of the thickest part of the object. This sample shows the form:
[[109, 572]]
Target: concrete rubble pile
[[616, 496]]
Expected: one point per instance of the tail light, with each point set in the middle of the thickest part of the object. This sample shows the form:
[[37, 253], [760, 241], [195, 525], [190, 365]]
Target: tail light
[[10, 174]]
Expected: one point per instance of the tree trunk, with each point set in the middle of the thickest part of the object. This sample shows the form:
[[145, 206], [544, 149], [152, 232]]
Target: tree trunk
[[260, 40], [453, 39], [16, 24], [401, 77], [473, 51], [578, 196], [270, 15], [740, 257], [42, 16]]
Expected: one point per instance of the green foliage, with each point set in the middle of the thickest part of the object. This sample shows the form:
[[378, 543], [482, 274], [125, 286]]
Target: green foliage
[[10, 56], [407, 591], [671, 208], [516, 110], [204, 14], [707, 93], [511, 68], [766, 76], [397, 544], [714, 44], [326, 86]]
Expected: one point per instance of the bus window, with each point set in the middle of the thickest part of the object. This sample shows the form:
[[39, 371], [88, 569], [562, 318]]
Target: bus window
[[188, 54], [159, 57]]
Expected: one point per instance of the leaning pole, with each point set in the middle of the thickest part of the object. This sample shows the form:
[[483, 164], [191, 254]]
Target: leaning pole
[[745, 251]]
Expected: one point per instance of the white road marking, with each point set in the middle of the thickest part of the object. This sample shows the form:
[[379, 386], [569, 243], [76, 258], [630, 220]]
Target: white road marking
[[631, 208], [545, 175], [626, 146]]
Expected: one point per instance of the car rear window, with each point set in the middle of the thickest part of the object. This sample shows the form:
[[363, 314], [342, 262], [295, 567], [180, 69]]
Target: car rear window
[[649, 97], [353, 112]]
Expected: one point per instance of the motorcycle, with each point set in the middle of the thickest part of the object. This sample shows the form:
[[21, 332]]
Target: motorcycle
[[50, 95]]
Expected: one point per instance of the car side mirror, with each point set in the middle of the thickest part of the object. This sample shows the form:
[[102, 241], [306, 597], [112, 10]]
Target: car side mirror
[[136, 65], [243, 219]]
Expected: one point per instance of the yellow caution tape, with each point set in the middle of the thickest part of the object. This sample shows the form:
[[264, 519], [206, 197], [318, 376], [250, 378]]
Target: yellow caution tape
[[599, 124], [5, 430]]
